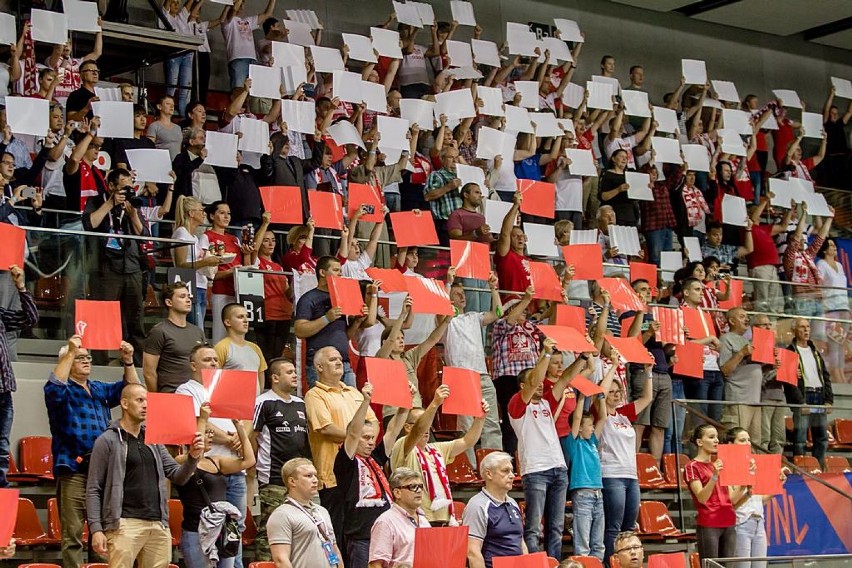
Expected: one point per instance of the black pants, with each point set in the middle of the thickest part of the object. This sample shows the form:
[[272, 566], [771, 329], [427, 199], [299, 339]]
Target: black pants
[[716, 543], [506, 387], [203, 86], [332, 499]]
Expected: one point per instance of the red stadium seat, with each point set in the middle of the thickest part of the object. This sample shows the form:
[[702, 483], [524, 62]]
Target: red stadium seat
[[262, 565], [250, 533], [807, 463], [655, 520], [28, 529], [650, 476], [588, 561], [95, 565], [36, 456], [552, 562], [458, 509], [15, 476], [670, 470], [175, 519], [460, 472], [843, 433], [836, 464], [694, 560], [39, 565]]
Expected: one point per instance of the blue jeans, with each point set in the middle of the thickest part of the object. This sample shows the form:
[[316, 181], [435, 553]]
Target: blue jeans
[[193, 557], [588, 522], [6, 413], [756, 179], [658, 241], [711, 387], [621, 508], [348, 375], [672, 440], [199, 308], [545, 492], [358, 552], [817, 421], [238, 69], [179, 77], [393, 201], [235, 494]]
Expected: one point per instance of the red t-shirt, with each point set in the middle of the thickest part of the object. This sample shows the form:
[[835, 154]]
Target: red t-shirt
[[278, 307], [782, 138], [717, 511], [302, 261], [513, 271], [232, 245], [765, 252], [563, 422]]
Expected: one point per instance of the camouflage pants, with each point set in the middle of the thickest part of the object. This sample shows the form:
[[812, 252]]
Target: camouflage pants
[[271, 497]]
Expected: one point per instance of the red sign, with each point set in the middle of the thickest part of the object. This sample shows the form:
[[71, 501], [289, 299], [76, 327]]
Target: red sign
[[545, 281], [326, 209], [586, 260], [465, 392], [392, 279], [346, 294], [170, 419], [539, 198], [98, 324], [568, 339], [413, 229], [284, 203], [471, 259], [231, 392], [621, 295], [14, 241], [429, 296], [364, 194], [390, 382]]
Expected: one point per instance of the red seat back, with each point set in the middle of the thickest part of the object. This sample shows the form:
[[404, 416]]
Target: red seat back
[[654, 518], [27, 525], [649, 472], [251, 530], [36, 455], [175, 519], [672, 464], [836, 464], [458, 509], [460, 470], [694, 560], [588, 561], [843, 431], [807, 463]]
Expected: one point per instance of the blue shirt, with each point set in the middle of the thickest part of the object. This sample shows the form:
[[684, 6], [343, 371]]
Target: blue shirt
[[529, 168], [585, 463], [77, 418], [498, 525]]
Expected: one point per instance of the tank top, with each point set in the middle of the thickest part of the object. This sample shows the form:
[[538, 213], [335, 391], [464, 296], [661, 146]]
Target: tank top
[[193, 499]]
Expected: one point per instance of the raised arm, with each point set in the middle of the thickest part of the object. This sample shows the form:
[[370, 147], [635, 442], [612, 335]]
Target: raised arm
[[424, 421], [504, 242], [356, 425], [539, 371]]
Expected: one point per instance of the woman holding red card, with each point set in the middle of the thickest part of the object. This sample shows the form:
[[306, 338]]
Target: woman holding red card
[[229, 247]]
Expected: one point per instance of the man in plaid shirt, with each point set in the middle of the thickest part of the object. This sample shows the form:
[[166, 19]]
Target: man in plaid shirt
[[442, 192], [799, 265]]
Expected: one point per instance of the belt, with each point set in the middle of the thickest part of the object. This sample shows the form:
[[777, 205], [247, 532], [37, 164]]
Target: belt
[[813, 389]]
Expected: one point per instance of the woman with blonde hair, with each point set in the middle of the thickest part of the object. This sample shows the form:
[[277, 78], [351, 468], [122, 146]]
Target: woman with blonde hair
[[189, 215]]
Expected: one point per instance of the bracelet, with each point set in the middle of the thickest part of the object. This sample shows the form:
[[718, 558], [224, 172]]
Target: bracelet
[[128, 364], [325, 317], [548, 355], [22, 290]]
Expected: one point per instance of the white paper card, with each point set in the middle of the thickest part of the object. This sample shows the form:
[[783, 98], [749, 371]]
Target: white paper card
[[726, 90], [732, 142], [150, 165], [288, 54], [573, 96], [639, 186], [27, 115], [559, 51], [265, 81], [696, 156], [360, 48], [520, 39], [116, 119], [541, 241], [459, 53], [485, 52], [458, 103], [347, 86], [817, 205], [611, 81], [518, 120], [800, 187], [842, 87], [636, 103], [81, 16], [670, 262], [344, 132], [492, 101], [326, 59], [694, 71], [812, 125], [770, 123], [49, 27], [386, 42], [666, 120], [529, 93], [462, 73], [393, 131], [546, 125], [495, 212], [584, 236], [292, 77], [666, 150], [569, 31], [789, 97], [9, 30], [782, 192], [693, 247], [600, 95], [255, 136], [567, 125], [300, 116], [625, 238], [221, 149], [470, 174], [427, 14], [493, 143], [374, 97], [408, 14], [712, 103], [462, 12], [298, 33], [308, 17], [582, 162], [734, 210], [737, 120], [108, 93], [418, 112]]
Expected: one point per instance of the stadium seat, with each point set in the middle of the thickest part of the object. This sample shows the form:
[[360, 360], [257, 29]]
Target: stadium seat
[[694, 560], [175, 519], [15, 476], [250, 533], [655, 520], [481, 453], [262, 565], [650, 476], [28, 529], [552, 562], [808, 463], [836, 464], [588, 561], [36, 457], [843, 433], [50, 292], [670, 470], [95, 565], [460, 472], [458, 509]]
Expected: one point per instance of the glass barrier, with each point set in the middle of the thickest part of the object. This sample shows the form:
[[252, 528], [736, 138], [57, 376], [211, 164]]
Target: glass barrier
[[809, 561]]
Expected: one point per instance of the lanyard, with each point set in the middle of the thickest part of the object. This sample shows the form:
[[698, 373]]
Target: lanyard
[[320, 524]]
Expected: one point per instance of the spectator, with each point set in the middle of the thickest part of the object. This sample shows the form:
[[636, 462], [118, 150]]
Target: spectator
[[611, 255], [608, 66], [189, 215], [543, 470], [239, 41], [441, 192], [78, 411], [727, 255], [224, 291], [79, 103], [413, 72], [774, 430], [690, 208], [282, 167], [330, 404], [81, 179], [126, 498], [234, 352], [835, 301], [430, 459], [618, 140], [629, 551], [300, 255], [194, 178], [392, 535], [637, 79], [570, 193], [467, 224], [813, 388], [357, 260], [67, 68], [138, 142], [118, 262], [165, 363], [560, 396], [711, 386], [763, 261], [209, 483], [612, 189], [837, 146], [658, 219], [509, 259], [798, 167], [300, 531], [743, 377], [321, 324], [280, 434], [178, 70], [493, 517], [800, 265], [240, 190], [273, 333]]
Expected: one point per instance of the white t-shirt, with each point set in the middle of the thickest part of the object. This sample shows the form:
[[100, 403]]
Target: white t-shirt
[[199, 30], [194, 389], [369, 340], [569, 192], [538, 442], [618, 446], [463, 343], [809, 366], [357, 268], [239, 40], [196, 253], [622, 144], [833, 300]]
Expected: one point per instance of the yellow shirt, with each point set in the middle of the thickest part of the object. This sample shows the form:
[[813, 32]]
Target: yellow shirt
[[330, 405], [398, 459]]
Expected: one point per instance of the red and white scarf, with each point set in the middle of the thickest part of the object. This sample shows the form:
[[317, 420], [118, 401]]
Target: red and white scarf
[[441, 470], [373, 488], [89, 186], [30, 75]]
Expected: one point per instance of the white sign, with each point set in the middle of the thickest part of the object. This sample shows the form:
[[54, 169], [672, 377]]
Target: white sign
[[386, 42], [347, 86], [326, 59], [49, 27], [419, 112], [734, 210], [265, 81], [485, 52], [300, 116], [812, 125], [639, 186], [8, 30], [636, 103], [696, 156], [666, 150], [726, 91], [666, 120], [28, 115], [116, 118], [694, 71], [459, 53], [582, 162], [150, 165], [298, 33], [344, 132], [626, 239], [360, 48], [529, 93], [221, 149], [82, 16], [569, 30], [788, 97], [541, 240], [492, 101], [463, 13]]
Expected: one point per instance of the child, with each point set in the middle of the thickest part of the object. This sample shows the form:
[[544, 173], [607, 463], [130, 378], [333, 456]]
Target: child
[[234, 351], [715, 525]]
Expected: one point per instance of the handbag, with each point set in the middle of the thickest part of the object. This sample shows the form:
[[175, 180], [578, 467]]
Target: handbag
[[229, 539]]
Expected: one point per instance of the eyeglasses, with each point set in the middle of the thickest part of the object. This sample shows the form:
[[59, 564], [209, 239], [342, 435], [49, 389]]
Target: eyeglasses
[[83, 358], [8, 162], [91, 71], [634, 548], [414, 487]]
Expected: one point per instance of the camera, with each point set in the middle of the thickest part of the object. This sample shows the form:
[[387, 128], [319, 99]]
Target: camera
[[130, 196]]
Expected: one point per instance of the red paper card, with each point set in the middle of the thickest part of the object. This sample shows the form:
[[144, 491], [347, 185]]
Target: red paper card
[[392, 279], [736, 460], [231, 392], [363, 194], [671, 325], [698, 323], [284, 203], [571, 316], [390, 382], [14, 240], [346, 293], [643, 271], [631, 349], [545, 281], [98, 324], [539, 198], [690, 360], [465, 392], [429, 296], [326, 209], [585, 386], [735, 299], [763, 341], [767, 477], [170, 419], [412, 229], [789, 370], [440, 547], [9, 506], [534, 560], [471, 259], [586, 260], [621, 295], [625, 325], [670, 560], [568, 339]]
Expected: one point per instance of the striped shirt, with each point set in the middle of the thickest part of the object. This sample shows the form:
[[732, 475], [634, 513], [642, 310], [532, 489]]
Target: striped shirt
[[13, 320]]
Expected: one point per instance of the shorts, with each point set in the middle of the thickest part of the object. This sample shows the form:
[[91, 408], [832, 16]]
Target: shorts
[[659, 412]]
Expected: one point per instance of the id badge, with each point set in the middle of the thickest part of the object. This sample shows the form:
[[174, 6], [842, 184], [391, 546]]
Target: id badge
[[330, 554], [112, 243]]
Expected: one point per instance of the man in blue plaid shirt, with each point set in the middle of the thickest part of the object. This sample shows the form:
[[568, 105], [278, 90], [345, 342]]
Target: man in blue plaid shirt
[[442, 192]]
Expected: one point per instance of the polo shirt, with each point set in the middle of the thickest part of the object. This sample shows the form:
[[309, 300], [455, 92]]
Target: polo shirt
[[392, 536], [498, 525], [289, 525], [744, 384]]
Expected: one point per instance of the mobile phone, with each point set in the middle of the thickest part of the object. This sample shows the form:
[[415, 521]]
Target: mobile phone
[[309, 89], [28, 193]]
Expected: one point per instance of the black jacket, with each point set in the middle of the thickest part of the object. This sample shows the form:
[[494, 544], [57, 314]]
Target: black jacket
[[796, 394]]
